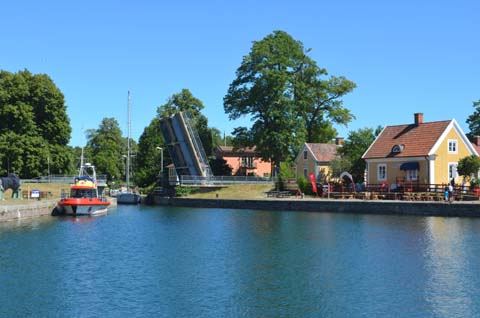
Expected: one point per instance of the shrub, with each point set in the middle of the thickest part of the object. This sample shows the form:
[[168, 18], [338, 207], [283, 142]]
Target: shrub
[[184, 191], [303, 184]]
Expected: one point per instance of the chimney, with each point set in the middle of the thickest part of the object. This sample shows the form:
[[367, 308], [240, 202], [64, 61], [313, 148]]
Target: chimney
[[339, 141], [476, 140], [418, 118]]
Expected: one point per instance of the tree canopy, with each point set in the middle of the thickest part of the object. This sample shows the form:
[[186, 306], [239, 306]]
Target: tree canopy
[[473, 121], [468, 167], [34, 126], [107, 147], [353, 149], [284, 93]]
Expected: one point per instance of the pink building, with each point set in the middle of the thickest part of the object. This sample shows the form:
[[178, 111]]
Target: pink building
[[244, 161]]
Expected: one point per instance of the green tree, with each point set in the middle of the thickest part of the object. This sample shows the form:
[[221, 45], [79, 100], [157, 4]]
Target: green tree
[[34, 126], [107, 147], [219, 139], [220, 167], [468, 167], [149, 155], [283, 92], [50, 111], [473, 121], [61, 159], [319, 102], [338, 166], [353, 149]]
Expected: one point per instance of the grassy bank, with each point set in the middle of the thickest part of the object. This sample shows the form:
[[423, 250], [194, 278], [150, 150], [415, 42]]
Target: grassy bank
[[54, 188], [243, 191]]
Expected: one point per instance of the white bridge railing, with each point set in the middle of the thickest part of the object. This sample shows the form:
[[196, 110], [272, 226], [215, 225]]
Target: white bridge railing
[[220, 180]]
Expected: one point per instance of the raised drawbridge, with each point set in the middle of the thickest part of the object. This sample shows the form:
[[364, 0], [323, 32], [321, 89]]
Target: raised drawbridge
[[185, 146]]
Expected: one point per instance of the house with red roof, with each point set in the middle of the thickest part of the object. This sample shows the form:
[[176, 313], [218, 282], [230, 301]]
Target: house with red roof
[[418, 153], [316, 158]]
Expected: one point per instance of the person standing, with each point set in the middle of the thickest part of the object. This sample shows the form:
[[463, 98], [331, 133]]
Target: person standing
[[450, 192]]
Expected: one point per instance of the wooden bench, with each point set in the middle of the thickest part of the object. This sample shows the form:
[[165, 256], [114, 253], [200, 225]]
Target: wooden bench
[[43, 194]]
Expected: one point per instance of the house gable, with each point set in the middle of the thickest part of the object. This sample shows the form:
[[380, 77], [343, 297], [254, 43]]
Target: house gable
[[318, 159], [458, 130], [299, 157]]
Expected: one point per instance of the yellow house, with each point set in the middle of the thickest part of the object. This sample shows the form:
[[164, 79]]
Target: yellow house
[[316, 158], [418, 153]]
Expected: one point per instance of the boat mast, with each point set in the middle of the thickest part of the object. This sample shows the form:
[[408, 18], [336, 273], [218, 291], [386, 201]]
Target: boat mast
[[80, 171], [128, 142]]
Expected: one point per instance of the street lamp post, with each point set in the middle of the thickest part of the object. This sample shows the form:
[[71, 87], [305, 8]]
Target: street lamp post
[[48, 166], [161, 160]]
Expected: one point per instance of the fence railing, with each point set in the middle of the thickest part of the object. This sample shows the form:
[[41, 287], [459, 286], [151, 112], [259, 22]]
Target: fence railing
[[101, 179], [220, 180]]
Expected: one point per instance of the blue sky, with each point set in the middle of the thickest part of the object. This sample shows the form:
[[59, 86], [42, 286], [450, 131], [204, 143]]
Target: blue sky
[[405, 56]]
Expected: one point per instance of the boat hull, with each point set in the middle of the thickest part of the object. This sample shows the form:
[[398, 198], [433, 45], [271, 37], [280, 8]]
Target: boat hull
[[83, 206], [128, 198]]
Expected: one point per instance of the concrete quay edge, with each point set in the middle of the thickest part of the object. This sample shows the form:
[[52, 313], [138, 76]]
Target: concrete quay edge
[[385, 207]]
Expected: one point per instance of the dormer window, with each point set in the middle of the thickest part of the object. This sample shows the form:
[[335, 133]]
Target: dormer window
[[397, 148]]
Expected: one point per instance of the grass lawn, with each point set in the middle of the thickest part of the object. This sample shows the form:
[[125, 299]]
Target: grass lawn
[[246, 191], [54, 188], [240, 191]]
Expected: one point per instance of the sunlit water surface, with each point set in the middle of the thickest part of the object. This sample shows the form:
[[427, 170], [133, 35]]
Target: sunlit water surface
[[183, 262]]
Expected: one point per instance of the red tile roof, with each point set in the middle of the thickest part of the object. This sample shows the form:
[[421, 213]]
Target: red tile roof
[[477, 147], [324, 152], [417, 140], [235, 151]]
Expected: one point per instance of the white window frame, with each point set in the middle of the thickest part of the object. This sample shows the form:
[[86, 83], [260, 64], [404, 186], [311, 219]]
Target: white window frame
[[412, 175], [305, 155], [382, 176], [452, 174], [453, 146], [305, 172]]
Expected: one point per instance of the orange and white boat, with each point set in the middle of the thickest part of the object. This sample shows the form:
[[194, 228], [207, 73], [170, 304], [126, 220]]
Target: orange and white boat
[[83, 198]]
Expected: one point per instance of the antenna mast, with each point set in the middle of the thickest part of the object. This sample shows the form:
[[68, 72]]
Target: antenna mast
[[128, 143]]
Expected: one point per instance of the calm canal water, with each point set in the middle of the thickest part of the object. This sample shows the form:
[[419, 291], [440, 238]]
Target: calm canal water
[[183, 262]]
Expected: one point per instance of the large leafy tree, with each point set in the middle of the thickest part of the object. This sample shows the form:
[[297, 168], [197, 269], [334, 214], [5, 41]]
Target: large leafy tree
[[283, 92], [473, 121], [34, 126], [108, 148], [353, 149]]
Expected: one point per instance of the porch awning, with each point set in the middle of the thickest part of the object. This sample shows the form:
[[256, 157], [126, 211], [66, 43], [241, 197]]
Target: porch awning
[[413, 165]]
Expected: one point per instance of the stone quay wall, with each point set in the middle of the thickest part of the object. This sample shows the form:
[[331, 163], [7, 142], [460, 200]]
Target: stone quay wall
[[421, 208], [28, 210]]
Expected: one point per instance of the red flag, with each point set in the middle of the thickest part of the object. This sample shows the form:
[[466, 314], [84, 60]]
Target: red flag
[[311, 177]]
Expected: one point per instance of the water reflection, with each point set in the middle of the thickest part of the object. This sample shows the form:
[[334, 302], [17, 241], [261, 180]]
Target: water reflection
[[169, 262], [449, 287]]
